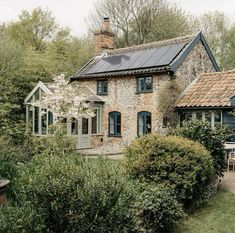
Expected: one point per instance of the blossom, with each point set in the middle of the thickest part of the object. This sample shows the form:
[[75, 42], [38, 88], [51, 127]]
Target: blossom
[[64, 102]]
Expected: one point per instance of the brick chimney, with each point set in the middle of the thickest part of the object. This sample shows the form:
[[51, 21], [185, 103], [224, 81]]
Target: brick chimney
[[103, 38]]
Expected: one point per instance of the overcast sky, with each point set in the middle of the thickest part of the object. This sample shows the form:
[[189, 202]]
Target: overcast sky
[[72, 13]]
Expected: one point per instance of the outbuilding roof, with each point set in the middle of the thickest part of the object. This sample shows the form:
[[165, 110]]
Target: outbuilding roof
[[209, 90], [166, 55]]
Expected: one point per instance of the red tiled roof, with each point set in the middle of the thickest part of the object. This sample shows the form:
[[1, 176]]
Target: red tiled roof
[[209, 90]]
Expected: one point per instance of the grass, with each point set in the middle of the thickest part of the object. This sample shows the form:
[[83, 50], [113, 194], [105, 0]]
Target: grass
[[218, 216]]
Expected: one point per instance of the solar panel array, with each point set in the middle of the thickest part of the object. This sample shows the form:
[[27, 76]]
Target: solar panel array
[[148, 57]]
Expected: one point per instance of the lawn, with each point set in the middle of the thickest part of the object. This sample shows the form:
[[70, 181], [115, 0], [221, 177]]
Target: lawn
[[217, 217]]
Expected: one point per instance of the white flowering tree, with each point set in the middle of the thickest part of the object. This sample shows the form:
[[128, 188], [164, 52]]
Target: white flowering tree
[[65, 102]]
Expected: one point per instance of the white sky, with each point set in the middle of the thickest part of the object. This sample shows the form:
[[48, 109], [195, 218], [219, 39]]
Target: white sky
[[72, 13]]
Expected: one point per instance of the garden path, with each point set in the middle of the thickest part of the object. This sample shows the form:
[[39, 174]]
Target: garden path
[[228, 181]]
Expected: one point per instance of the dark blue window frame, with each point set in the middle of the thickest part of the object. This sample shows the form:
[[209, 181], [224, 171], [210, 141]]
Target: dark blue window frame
[[146, 125], [115, 124], [102, 87], [143, 85]]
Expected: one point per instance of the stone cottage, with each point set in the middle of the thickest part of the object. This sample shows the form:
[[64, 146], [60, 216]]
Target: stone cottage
[[125, 85]]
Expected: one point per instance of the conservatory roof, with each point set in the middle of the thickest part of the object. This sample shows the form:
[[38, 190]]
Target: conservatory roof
[[49, 88], [209, 90]]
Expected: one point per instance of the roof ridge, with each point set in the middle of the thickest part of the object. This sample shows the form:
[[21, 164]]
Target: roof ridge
[[152, 44], [218, 73]]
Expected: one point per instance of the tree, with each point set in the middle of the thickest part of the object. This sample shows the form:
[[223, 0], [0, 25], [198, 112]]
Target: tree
[[141, 21], [220, 33], [12, 87], [64, 101], [34, 29]]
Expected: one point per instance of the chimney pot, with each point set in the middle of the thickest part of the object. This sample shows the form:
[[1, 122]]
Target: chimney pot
[[105, 25]]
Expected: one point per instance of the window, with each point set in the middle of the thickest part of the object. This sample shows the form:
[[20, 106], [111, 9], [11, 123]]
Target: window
[[96, 122], [144, 84], [102, 87], [114, 123], [144, 123]]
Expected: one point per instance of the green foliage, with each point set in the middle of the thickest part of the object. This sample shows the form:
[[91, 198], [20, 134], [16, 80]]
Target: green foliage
[[141, 21], [168, 94], [75, 195], [21, 219], [212, 139], [220, 33], [157, 210], [183, 165], [33, 28]]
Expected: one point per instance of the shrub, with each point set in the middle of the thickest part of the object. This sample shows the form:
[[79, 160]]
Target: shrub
[[212, 139], [157, 210], [21, 219], [180, 163], [75, 195]]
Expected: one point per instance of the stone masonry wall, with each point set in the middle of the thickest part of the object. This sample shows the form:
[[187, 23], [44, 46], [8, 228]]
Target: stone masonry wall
[[122, 97], [196, 63]]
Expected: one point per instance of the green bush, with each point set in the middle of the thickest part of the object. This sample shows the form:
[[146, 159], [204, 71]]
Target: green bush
[[212, 139], [183, 165], [21, 219], [157, 210], [75, 195]]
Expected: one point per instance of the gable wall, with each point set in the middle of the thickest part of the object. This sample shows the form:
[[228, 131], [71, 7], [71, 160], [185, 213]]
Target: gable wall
[[197, 62]]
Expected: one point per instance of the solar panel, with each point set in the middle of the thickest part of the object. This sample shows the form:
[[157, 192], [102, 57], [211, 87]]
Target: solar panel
[[170, 54], [151, 57]]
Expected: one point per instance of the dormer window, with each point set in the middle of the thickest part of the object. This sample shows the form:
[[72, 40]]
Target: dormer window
[[102, 87], [144, 84]]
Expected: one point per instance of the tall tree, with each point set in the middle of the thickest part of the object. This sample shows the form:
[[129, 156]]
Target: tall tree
[[34, 28], [141, 21], [220, 33]]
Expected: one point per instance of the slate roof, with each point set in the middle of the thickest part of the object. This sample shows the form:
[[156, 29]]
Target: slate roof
[[166, 55], [209, 90]]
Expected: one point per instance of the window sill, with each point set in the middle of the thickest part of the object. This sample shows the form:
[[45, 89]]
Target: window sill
[[114, 136], [97, 134], [142, 92], [101, 93]]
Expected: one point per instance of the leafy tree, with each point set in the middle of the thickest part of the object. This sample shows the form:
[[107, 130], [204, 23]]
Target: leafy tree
[[141, 21], [220, 33], [34, 29]]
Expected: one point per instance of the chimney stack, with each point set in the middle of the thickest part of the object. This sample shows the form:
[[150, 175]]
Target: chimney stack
[[103, 38]]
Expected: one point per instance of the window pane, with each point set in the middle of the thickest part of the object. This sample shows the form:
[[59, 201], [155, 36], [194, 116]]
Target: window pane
[[30, 118], [144, 123], [50, 118], [118, 129], [208, 116], [149, 83], [84, 126], [199, 115], [36, 95], [74, 126], [105, 86], [111, 123], [217, 116], [141, 125], [148, 124], [94, 123], [36, 119], [140, 84], [44, 121]]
